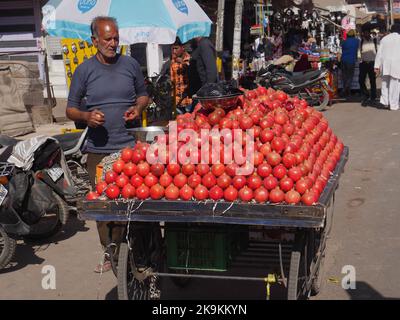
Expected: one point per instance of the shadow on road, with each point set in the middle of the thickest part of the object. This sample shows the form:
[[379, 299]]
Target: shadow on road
[[73, 226], [25, 253], [200, 289], [113, 294], [364, 291]]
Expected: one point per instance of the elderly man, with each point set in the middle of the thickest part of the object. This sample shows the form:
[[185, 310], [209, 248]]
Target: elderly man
[[114, 90], [387, 63]]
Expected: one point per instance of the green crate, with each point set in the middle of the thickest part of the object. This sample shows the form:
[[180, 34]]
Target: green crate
[[203, 248]]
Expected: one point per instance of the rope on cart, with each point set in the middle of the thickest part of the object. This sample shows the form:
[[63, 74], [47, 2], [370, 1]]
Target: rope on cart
[[129, 212], [227, 209], [281, 265], [215, 207]]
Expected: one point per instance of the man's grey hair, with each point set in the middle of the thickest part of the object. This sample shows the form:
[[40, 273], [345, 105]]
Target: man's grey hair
[[94, 26], [395, 28]]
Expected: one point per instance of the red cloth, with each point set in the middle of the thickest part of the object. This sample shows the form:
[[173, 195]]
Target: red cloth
[[303, 64]]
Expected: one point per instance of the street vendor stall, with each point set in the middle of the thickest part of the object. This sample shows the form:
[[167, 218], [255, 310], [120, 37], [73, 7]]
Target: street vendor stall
[[187, 220], [209, 237]]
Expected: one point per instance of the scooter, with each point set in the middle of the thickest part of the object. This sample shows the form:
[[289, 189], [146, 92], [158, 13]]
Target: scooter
[[309, 85], [32, 196], [72, 144]]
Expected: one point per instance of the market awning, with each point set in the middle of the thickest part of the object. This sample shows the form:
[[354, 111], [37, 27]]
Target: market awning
[[362, 17]]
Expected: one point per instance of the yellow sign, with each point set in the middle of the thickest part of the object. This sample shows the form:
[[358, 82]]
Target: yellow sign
[[76, 51]]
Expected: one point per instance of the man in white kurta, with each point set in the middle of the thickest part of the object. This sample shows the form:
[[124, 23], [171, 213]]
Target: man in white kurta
[[387, 63]]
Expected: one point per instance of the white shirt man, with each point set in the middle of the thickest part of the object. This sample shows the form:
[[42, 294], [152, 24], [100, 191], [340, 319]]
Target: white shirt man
[[387, 63]]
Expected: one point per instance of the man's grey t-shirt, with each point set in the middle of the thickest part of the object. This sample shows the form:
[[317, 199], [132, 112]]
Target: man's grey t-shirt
[[112, 89]]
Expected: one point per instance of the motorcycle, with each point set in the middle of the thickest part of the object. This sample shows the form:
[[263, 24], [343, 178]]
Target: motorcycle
[[34, 186], [72, 144], [159, 89], [309, 85]]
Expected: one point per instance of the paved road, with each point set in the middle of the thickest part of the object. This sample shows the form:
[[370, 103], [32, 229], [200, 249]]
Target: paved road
[[365, 232]]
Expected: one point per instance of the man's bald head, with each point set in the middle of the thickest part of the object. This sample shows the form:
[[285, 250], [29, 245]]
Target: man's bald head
[[105, 38], [96, 22]]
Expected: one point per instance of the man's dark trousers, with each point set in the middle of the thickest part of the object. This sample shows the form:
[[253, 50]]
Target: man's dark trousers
[[367, 68]]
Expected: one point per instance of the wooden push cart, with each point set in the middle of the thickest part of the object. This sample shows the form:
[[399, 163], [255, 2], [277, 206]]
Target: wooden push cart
[[186, 239]]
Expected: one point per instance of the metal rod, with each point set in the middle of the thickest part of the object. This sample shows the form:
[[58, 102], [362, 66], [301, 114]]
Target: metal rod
[[281, 265], [339, 26], [201, 276]]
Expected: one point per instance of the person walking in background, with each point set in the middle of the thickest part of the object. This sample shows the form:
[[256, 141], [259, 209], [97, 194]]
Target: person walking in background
[[368, 50], [203, 64], [387, 64], [277, 42], [179, 76], [348, 61]]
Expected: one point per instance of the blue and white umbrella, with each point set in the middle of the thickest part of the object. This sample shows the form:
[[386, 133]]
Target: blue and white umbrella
[[139, 21]]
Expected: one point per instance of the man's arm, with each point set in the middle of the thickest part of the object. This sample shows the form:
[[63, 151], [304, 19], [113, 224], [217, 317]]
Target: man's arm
[[378, 61], [76, 93], [135, 111], [93, 118]]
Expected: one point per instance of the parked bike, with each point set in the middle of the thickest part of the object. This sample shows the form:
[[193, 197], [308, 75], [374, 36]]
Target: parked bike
[[159, 89], [309, 85], [34, 185]]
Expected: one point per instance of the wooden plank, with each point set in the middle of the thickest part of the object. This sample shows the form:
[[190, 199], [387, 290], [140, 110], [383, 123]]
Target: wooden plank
[[12, 21], [17, 36], [32, 43], [17, 50], [27, 4]]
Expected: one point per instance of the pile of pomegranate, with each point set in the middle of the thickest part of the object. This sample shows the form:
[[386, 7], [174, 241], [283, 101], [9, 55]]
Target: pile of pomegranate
[[294, 153]]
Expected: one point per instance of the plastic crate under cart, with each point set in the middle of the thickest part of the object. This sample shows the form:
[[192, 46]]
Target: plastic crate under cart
[[204, 247]]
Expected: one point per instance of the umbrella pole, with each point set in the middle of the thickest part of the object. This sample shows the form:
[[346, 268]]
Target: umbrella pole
[[144, 119], [173, 101]]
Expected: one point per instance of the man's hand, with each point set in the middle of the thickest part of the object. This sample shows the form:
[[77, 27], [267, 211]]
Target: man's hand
[[377, 72], [95, 118], [132, 113]]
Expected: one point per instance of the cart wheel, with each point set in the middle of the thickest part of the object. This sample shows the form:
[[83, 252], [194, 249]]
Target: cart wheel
[[324, 100], [112, 252], [294, 276], [129, 287], [135, 284], [319, 275], [7, 248], [180, 282]]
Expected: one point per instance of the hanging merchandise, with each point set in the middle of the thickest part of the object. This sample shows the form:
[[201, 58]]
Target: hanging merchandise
[[348, 23]]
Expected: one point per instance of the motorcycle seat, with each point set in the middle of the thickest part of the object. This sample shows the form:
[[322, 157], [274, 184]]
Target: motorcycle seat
[[299, 78], [7, 141], [68, 141]]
